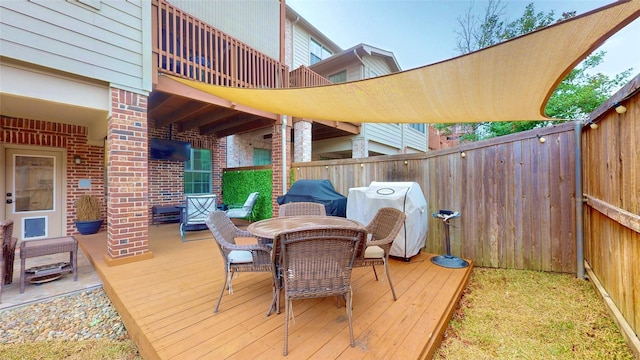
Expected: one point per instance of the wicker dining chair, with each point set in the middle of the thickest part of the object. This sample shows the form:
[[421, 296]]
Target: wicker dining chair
[[316, 262], [383, 229], [302, 208], [237, 258], [8, 249], [1, 271]]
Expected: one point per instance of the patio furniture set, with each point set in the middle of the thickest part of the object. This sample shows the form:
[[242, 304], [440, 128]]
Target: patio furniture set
[[308, 253]]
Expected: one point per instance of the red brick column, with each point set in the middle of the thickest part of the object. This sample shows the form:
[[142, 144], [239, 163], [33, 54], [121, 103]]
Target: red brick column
[[276, 163], [127, 179]]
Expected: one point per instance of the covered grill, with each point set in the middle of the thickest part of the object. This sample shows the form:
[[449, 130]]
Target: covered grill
[[318, 191], [364, 202]]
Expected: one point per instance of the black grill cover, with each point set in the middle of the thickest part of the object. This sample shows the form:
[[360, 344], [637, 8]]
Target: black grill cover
[[318, 191]]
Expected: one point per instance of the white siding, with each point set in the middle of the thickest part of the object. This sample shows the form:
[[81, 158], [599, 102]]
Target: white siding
[[300, 47], [332, 145], [297, 44], [354, 71], [388, 134], [254, 22], [110, 44], [414, 139], [375, 66]]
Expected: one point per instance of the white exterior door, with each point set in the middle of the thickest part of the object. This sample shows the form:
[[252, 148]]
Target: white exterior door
[[34, 192]]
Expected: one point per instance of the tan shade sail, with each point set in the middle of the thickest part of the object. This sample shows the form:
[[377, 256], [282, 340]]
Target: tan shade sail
[[509, 81]]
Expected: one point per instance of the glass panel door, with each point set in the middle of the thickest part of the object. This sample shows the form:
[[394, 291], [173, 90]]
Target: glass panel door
[[33, 193]]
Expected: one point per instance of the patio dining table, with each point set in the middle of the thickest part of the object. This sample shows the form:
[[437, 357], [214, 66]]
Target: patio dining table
[[268, 229]]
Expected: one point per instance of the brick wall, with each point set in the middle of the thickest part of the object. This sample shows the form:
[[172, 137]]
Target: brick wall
[[73, 138], [276, 157], [127, 165], [166, 178], [240, 148], [302, 136]]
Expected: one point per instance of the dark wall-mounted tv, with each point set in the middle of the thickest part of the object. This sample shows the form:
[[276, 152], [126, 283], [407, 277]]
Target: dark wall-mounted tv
[[165, 149]]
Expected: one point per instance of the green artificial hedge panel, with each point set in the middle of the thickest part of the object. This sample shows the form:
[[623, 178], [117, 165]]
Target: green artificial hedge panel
[[237, 185]]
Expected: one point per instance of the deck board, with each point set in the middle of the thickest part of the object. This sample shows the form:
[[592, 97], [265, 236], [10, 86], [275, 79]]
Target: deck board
[[167, 306]]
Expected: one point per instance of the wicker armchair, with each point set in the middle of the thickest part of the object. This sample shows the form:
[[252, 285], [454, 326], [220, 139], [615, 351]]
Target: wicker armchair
[[237, 258], [1, 271], [302, 208], [384, 228], [317, 262], [8, 250]]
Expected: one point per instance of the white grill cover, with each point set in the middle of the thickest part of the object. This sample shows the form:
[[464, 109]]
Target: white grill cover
[[364, 202]]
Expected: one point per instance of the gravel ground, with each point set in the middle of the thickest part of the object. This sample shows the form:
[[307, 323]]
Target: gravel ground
[[79, 316]]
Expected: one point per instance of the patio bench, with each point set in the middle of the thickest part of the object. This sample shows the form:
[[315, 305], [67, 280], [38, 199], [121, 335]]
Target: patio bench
[[41, 247], [167, 213]]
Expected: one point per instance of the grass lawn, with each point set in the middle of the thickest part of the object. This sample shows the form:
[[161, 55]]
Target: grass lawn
[[517, 314]]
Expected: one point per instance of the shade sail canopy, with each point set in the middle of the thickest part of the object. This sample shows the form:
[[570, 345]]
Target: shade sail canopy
[[506, 82]]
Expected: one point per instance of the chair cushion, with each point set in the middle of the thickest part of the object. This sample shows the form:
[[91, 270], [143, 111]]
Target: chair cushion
[[233, 213], [373, 252], [240, 257]]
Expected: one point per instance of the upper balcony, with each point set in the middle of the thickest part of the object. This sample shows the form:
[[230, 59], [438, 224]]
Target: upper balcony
[[187, 47]]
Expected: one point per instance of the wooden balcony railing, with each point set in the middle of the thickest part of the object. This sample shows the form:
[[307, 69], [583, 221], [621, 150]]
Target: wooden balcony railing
[[188, 47], [305, 77]]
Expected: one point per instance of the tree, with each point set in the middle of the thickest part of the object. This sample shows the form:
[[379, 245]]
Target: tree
[[576, 97]]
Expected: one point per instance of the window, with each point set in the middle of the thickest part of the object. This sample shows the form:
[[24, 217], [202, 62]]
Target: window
[[261, 156], [419, 127], [197, 172], [317, 52], [338, 77]]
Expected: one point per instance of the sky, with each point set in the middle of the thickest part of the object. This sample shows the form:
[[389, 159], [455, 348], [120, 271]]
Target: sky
[[423, 32]]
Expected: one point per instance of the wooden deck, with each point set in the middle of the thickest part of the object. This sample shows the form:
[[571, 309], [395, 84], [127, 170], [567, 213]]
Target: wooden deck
[[167, 305]]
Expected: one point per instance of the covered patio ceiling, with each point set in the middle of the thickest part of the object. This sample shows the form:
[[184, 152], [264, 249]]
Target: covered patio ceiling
[[178, 104], [509, 81]]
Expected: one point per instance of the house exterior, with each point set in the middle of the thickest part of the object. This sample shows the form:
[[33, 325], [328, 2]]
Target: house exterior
[[74, 83], [86, 94], [358, 63], [303, 44], [306, 48]]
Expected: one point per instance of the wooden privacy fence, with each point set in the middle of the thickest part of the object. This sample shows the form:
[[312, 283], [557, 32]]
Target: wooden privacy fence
[[611, 173], [515, 193]]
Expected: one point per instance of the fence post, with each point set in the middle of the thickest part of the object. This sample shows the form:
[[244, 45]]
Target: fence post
[[579, 210]]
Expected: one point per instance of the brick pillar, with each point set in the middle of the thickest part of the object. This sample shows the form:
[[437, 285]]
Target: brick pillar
[[127, 179], [219, 159], [302, 144], [276, 163], [359, 148]]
